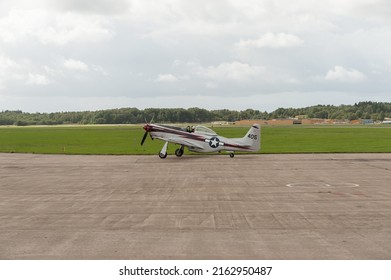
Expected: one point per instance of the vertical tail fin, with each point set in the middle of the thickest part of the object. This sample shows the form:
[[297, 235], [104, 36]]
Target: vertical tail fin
[[253, 137]]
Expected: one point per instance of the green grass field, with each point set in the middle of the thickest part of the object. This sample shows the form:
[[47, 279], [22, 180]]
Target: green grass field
[[126, 139]]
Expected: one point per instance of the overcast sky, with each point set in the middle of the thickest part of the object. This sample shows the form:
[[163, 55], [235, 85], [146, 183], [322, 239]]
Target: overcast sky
[[71, 55]]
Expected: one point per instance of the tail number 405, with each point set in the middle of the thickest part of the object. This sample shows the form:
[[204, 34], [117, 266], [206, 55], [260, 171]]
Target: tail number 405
[[252, 136]]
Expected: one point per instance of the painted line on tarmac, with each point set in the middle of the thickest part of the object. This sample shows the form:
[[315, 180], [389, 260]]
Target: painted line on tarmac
[[322, 185]]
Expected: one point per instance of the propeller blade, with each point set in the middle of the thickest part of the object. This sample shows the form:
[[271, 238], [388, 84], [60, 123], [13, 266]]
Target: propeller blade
[[151, 121], [145, 136]]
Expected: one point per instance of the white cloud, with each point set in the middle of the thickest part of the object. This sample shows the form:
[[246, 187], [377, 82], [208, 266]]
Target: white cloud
[[97, 6], [235, 71], [218, 48], [52, 28], [74, 28], [341, 74], [271, 40], [166, 78], [73, 64], [7, 63], [211, 85], [37, 79], [99, 69], [8, 70]]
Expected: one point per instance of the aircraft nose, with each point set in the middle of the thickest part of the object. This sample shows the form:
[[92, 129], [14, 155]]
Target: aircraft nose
[[147, 127]]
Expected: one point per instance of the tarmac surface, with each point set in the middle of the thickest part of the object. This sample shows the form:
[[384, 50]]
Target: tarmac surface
[[311, 206]]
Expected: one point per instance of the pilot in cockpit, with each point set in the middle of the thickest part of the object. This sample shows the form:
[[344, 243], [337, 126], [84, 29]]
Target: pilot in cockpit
[[190, 129]]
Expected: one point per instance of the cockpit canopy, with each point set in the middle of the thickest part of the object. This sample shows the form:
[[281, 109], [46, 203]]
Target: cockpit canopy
[[204, 130]]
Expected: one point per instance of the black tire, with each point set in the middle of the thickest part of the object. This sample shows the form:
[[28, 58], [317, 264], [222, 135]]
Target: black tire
[[231, 155], [179, 152], [162, 156]]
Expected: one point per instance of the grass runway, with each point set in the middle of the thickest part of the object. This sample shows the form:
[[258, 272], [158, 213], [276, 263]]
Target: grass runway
[[125, 140]]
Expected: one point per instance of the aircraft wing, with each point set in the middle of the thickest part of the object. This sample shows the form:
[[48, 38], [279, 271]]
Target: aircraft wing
[[182, 141]]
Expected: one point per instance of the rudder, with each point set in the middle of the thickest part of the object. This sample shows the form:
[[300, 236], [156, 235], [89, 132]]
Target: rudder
[[253, 137]]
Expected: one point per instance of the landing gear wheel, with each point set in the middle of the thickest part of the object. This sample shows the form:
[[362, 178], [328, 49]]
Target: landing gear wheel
[[162, 156], [231, 155], [179, 152]]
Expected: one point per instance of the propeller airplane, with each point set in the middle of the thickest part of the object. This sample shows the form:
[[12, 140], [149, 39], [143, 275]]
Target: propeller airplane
[[202, 139]]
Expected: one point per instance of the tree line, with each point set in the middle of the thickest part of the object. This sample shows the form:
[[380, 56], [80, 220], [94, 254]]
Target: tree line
[[362, 110]]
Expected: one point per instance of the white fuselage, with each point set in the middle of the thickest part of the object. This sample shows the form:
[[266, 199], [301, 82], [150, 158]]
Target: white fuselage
[[205, 140]]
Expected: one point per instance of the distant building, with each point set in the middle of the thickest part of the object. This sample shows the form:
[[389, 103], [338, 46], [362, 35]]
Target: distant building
[[367, 121], [222, 123], [297, 121], [386, 121]]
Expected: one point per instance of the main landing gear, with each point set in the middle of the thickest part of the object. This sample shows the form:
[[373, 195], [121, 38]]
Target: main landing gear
[[163, 152], [179, 152], [162, 156]]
